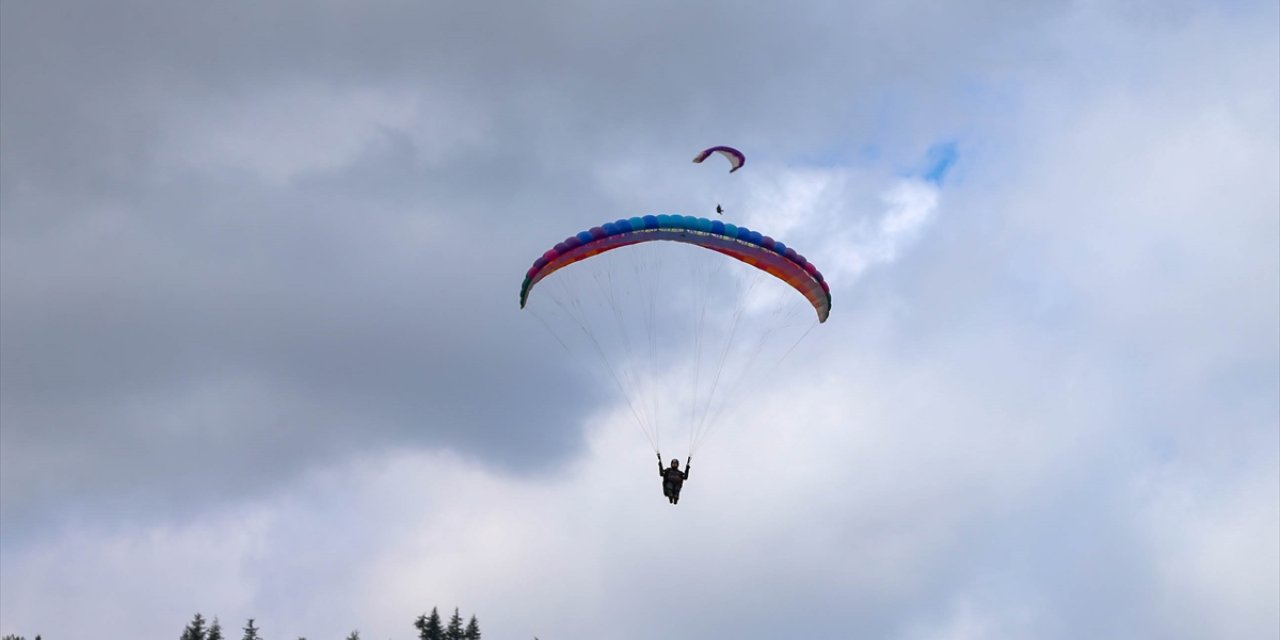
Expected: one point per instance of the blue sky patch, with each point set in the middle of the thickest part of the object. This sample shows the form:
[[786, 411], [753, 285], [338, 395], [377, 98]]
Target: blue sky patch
[[940, 158]]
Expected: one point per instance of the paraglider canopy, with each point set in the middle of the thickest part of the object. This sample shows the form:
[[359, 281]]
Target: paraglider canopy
[[735, 157], [740, 243]]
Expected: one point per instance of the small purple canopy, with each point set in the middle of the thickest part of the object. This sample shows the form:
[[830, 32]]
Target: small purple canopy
[[735, 157]]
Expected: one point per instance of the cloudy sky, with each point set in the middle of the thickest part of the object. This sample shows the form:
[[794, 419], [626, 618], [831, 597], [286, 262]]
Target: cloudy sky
[[261, 354]]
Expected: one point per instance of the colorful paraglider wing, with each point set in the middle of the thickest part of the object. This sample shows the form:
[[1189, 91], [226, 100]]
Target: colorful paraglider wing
[[740, 243], [735, 157]]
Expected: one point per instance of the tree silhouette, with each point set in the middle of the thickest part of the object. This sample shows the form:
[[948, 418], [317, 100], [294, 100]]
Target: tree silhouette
[[251, 631], [195, 630], [429, 627], [454, 630]]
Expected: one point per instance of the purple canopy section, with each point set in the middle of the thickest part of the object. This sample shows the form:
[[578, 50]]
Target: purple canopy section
[[735, 157]]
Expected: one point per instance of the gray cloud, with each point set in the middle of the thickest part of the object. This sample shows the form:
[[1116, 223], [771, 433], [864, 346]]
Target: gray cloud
[[318, 212]]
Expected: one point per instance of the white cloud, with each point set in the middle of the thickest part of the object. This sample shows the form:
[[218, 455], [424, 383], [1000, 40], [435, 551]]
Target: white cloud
[[1212, 539], [151, 579], [825, 214]]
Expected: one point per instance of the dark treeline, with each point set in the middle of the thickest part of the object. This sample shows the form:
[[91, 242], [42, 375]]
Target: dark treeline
[[429, 626]]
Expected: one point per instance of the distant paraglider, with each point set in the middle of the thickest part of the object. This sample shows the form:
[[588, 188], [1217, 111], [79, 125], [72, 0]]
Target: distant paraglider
[[735, 157]]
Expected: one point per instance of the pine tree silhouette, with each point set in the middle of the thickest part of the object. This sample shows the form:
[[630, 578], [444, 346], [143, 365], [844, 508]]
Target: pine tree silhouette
[[473, 630], [251, 632], [454, 630], [195, 630], [429, 627]]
